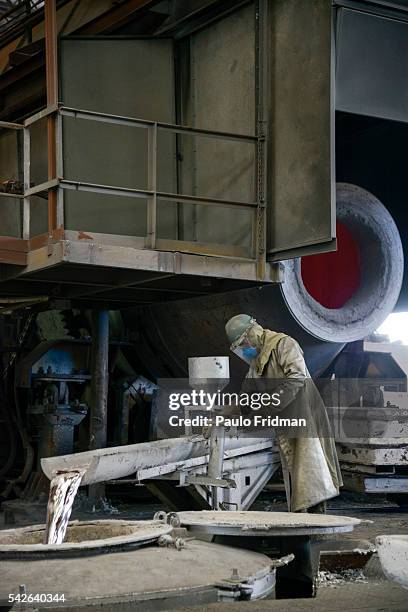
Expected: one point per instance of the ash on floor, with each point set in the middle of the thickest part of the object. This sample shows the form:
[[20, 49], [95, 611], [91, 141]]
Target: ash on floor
[[335, 579]]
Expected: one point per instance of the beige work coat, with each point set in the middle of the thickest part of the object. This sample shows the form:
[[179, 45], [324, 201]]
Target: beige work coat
[[311, 461]]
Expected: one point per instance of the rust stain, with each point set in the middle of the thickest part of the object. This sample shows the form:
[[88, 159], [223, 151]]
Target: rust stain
[[84, 236]]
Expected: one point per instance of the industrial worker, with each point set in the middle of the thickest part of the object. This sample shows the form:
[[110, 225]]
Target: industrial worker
[[310, 465]]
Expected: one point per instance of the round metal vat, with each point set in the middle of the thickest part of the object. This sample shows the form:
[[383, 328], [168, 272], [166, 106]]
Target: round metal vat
[[152, 577], [269, 524], [81, 536]]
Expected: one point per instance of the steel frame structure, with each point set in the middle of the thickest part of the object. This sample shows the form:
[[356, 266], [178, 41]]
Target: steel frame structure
[[56, 183], [60, 245]]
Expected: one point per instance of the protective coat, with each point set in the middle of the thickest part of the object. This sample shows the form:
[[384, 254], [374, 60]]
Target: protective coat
[[311, 461]]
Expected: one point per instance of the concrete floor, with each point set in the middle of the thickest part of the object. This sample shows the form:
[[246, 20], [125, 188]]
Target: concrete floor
[[381, 596], [375, 594], [379, 516]]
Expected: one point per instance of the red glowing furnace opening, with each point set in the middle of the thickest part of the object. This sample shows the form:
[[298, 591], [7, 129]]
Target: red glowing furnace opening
[[332, 278]]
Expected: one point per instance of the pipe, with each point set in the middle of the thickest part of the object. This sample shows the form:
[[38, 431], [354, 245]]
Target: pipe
[[215, 461], [208, 373], [117, 462], [170, 333], [99, 387], [380, 263], [100, 379], [51, 65]]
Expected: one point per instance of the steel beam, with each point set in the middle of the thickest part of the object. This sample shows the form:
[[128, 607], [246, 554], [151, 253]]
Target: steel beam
[[7, 125], [114, 18], [51, 64], [147, 193], [26, 180], [152, 185], [46, 112], [78, 113], [6, 194], [99, 387], [259, 231], [50, 184]]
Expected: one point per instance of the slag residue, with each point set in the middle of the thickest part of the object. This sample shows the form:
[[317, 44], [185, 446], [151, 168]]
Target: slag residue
[[63, 489]]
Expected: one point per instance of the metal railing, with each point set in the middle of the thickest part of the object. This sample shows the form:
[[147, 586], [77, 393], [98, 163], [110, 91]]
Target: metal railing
[[29, 190], [152, 194]]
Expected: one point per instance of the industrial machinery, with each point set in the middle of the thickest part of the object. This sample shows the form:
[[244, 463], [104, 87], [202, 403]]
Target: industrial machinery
[[51, 383], [365, 391], [248, 465], [157, 163], [55, 375], [174, 569]]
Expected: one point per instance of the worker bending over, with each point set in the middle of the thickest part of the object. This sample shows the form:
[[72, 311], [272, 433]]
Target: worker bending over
[[310, 464]]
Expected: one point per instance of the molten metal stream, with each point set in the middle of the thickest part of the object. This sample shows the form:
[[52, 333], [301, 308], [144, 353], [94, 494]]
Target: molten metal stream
[[63, 489]]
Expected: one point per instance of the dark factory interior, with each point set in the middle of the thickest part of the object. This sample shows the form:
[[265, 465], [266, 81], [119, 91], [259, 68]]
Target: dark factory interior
[[203, 204]]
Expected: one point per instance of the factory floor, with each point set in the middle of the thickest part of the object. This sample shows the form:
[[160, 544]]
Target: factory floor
[[360, 590], [363, 591], [368, 590], [381, 596], [378, 515]]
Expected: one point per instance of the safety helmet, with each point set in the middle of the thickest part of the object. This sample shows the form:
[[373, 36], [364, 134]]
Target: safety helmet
[[237, 327]]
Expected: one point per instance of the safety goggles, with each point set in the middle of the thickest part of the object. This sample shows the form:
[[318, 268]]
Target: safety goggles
[[236, 347], [243, 338]]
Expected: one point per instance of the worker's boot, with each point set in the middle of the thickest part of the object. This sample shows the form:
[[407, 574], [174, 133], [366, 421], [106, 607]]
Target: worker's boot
[[319, 508]]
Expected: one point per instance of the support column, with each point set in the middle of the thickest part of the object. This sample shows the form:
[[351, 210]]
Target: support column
[[99, 389], [215, 460], [51, 66]]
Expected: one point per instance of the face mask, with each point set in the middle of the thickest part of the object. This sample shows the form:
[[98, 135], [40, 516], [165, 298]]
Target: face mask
[[239, 352], [250, 352]]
